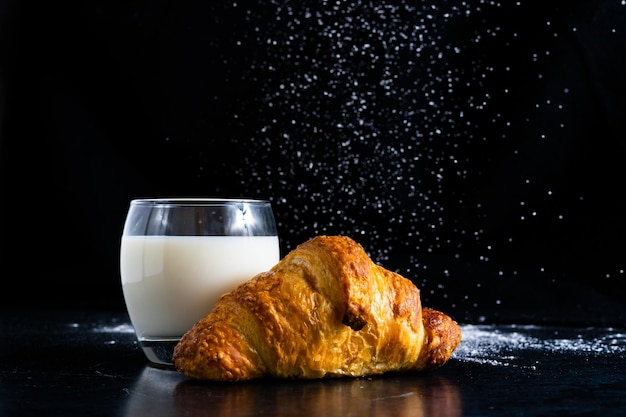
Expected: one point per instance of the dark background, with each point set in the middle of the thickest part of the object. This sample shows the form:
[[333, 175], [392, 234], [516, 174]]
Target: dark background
[[475, 147]]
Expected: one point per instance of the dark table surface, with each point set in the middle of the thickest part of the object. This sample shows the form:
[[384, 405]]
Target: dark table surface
[[62, 363]]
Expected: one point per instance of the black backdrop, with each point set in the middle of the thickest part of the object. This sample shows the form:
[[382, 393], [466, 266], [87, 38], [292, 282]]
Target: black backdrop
[[475, 147]]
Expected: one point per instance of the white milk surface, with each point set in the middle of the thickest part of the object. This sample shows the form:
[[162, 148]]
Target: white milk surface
[[171, 282]]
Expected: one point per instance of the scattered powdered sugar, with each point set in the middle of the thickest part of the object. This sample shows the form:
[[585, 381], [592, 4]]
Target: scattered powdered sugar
[[502, 345], [120, 328], [116, 333], [507, 345]]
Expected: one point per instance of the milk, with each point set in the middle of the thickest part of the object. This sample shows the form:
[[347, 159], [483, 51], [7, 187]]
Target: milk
[[171, 282]]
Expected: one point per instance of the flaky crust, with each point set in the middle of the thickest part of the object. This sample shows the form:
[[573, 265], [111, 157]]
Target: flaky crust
[[325, 310]]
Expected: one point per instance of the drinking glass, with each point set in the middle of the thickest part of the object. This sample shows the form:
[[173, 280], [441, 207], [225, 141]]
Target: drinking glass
[[179, 255]]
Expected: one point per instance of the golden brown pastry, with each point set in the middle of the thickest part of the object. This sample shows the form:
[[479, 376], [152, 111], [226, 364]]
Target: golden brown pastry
[[325, 310]]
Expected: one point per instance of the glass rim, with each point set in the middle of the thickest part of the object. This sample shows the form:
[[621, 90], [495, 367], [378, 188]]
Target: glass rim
[[148, 201]]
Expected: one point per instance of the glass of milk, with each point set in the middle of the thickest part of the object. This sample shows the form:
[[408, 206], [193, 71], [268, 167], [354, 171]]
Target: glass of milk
[[179, 255]]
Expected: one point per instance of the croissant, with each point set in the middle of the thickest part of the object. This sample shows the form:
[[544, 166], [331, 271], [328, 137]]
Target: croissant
[[325, 310]]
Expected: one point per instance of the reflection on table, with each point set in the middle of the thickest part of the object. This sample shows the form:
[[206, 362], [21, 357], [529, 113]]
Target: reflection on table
[[166, 392]]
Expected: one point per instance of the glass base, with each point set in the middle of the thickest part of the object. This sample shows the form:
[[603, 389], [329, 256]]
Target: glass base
[[159, 351]]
